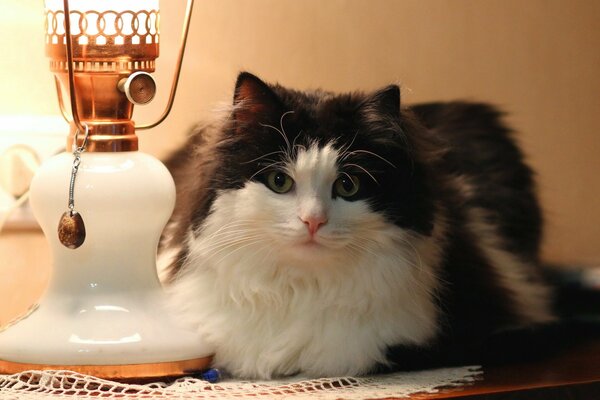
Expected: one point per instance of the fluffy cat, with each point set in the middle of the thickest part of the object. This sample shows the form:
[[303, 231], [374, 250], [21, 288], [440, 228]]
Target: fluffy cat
[[328, 234]]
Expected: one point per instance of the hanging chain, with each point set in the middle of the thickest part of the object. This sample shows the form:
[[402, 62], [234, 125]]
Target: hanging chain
[[76, 162], [71, 229]]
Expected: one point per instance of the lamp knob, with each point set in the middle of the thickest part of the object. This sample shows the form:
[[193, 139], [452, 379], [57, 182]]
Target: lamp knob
[[139, 87]]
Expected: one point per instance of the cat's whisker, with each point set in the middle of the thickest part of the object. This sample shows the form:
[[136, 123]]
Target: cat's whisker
[[417, 263], [278, 131], [260, 171], [280, 164], [346, 174], [282, 131], [223, 236], [294, 141], [301, 146], [218, 262], [413, 285], [345, 149], [361, 168], [403, 260], [354, 152], [246, 225], [368, 239], [263, 156], [270, 162], [207, 259], [364, 248], [266, 246], [234, 239], [334, 239], [238, 222], [406, 261], [275, 165], [235, 224], [235, 233], [413, 249]]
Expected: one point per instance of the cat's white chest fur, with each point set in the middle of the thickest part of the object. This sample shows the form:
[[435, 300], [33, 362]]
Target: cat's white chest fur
[[274, 304]]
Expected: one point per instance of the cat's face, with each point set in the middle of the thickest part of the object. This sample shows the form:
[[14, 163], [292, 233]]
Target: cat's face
[[311, 207], [314, 178]]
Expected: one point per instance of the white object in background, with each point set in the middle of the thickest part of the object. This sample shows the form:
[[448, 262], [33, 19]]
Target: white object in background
[[18, 164], [42, 136], [104, 305]]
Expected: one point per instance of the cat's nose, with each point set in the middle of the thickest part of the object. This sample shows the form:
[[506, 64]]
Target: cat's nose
[[314, 222]]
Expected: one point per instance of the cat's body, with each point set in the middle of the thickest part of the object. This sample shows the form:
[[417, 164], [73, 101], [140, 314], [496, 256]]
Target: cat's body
[[330, 235]]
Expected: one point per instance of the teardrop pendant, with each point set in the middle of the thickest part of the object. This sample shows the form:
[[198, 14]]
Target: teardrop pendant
[[71, 230]]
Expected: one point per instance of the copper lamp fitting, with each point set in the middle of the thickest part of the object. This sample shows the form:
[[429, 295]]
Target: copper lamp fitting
[[112, 54]]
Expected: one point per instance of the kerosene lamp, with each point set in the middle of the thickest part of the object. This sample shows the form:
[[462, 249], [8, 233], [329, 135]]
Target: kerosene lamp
[[102, 206]]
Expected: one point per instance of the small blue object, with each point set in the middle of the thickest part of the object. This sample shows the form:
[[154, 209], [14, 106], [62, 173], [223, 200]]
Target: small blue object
[[212, 375]]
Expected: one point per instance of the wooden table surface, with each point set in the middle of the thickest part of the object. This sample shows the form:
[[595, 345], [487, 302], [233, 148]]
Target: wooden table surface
[[570, 374]]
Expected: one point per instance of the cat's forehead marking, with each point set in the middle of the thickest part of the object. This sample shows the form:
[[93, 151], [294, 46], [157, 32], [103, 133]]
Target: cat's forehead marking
[[316, 161]]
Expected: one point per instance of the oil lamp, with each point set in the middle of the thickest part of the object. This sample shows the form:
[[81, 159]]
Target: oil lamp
[[102, 207]]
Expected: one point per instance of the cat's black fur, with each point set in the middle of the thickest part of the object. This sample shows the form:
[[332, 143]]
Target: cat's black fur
[[481, 146], [432, 146]]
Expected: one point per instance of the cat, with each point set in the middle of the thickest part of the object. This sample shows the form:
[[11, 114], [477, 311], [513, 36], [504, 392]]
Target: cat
[[339, 234]]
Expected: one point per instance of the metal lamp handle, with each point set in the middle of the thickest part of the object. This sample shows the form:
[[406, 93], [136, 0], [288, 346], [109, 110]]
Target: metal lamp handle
[[71, 66], [184, 36]]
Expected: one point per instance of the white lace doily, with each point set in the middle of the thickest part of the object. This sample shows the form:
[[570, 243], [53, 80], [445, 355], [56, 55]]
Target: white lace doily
[[65, 384]]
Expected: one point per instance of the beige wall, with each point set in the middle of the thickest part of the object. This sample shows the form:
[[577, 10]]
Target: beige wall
[[538, 59]]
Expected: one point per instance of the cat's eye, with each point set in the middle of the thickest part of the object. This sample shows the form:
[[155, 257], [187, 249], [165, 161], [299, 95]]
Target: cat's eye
[[279, 182], [346, 186]]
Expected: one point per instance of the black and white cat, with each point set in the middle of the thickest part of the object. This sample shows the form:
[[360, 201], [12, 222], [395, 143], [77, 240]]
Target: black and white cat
[[330, 234]]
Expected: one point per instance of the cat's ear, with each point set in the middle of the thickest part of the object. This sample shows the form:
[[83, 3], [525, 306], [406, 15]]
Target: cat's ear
[[384, 102], [254, 101]]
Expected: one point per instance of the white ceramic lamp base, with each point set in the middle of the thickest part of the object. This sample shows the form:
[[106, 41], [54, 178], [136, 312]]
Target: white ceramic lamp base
[[104, 312]]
